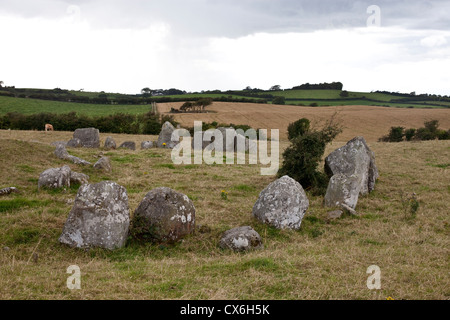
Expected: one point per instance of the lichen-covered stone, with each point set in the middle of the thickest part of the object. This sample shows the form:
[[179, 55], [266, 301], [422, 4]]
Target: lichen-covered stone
[[110, 143], [165, 136], [343, 189], [164, 215], [241, 239], [55, 178], [282, 204], [89, 137], [100, 217], [103, 164], [355, 158]]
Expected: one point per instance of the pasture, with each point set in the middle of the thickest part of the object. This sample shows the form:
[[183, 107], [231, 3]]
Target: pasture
[[32, 106], [323, 260]]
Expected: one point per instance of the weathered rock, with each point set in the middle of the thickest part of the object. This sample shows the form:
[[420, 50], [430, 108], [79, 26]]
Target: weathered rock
[[165, 136], [89, 137], [241, 239], [74, 143], [78, 178], [100, 217], [62, 153], [164, 215], [55, 178], [103, 164], [282, 204], [147, 145], [355, 158], [343, 189], [110, 143], [128, 145]]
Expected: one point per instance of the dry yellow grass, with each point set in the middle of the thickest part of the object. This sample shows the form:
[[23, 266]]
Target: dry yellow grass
[[367, 121], [324, 260]]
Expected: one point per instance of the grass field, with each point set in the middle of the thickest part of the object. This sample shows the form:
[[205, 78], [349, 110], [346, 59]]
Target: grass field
[[324, 260], [31, 106]]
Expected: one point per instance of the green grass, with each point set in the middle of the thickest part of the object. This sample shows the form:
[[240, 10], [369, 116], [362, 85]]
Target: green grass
[[32, 106], [12, 205]]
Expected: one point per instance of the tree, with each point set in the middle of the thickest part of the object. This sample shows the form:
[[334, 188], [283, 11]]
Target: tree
[[146, 92], [1, 84], [276, 87], [203, 103]]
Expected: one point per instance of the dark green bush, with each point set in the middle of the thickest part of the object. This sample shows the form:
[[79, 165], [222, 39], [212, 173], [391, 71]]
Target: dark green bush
[[279, 100], [396, 134], [409, 134], [301, 159], [298, 128]]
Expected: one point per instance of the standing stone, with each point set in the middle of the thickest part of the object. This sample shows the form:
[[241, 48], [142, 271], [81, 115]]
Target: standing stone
[[282, 204], [355, 158], [343, 189], [128, 145], [103, 164], [146, 145], [74, 143], [100, 217], [241, 239], [89, 137], [55, 178], [164, 215], [110, 143], [165, 136]]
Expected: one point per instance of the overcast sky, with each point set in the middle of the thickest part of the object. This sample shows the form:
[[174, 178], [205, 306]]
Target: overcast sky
[[123, 46]]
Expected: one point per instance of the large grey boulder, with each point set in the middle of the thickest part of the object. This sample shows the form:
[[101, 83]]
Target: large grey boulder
[[55, 178], [100, 217], [165, 136], [103, 164], [164, 215], [110, 143], [282, 204], [89, 137], [241, 239], [74, 143], [355, 158], [343, 189]]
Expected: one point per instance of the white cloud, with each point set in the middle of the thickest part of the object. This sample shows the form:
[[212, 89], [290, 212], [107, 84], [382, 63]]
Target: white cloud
[[70, 53]]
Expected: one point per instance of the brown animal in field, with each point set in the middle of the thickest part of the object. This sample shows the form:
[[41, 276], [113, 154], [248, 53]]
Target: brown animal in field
[[48, 127]]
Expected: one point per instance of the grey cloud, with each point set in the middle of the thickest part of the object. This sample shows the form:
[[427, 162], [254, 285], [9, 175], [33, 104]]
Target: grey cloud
[[233, 18]]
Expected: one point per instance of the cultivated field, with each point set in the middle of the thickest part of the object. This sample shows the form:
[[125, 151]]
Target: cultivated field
[[367, 121], [324, 260]]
